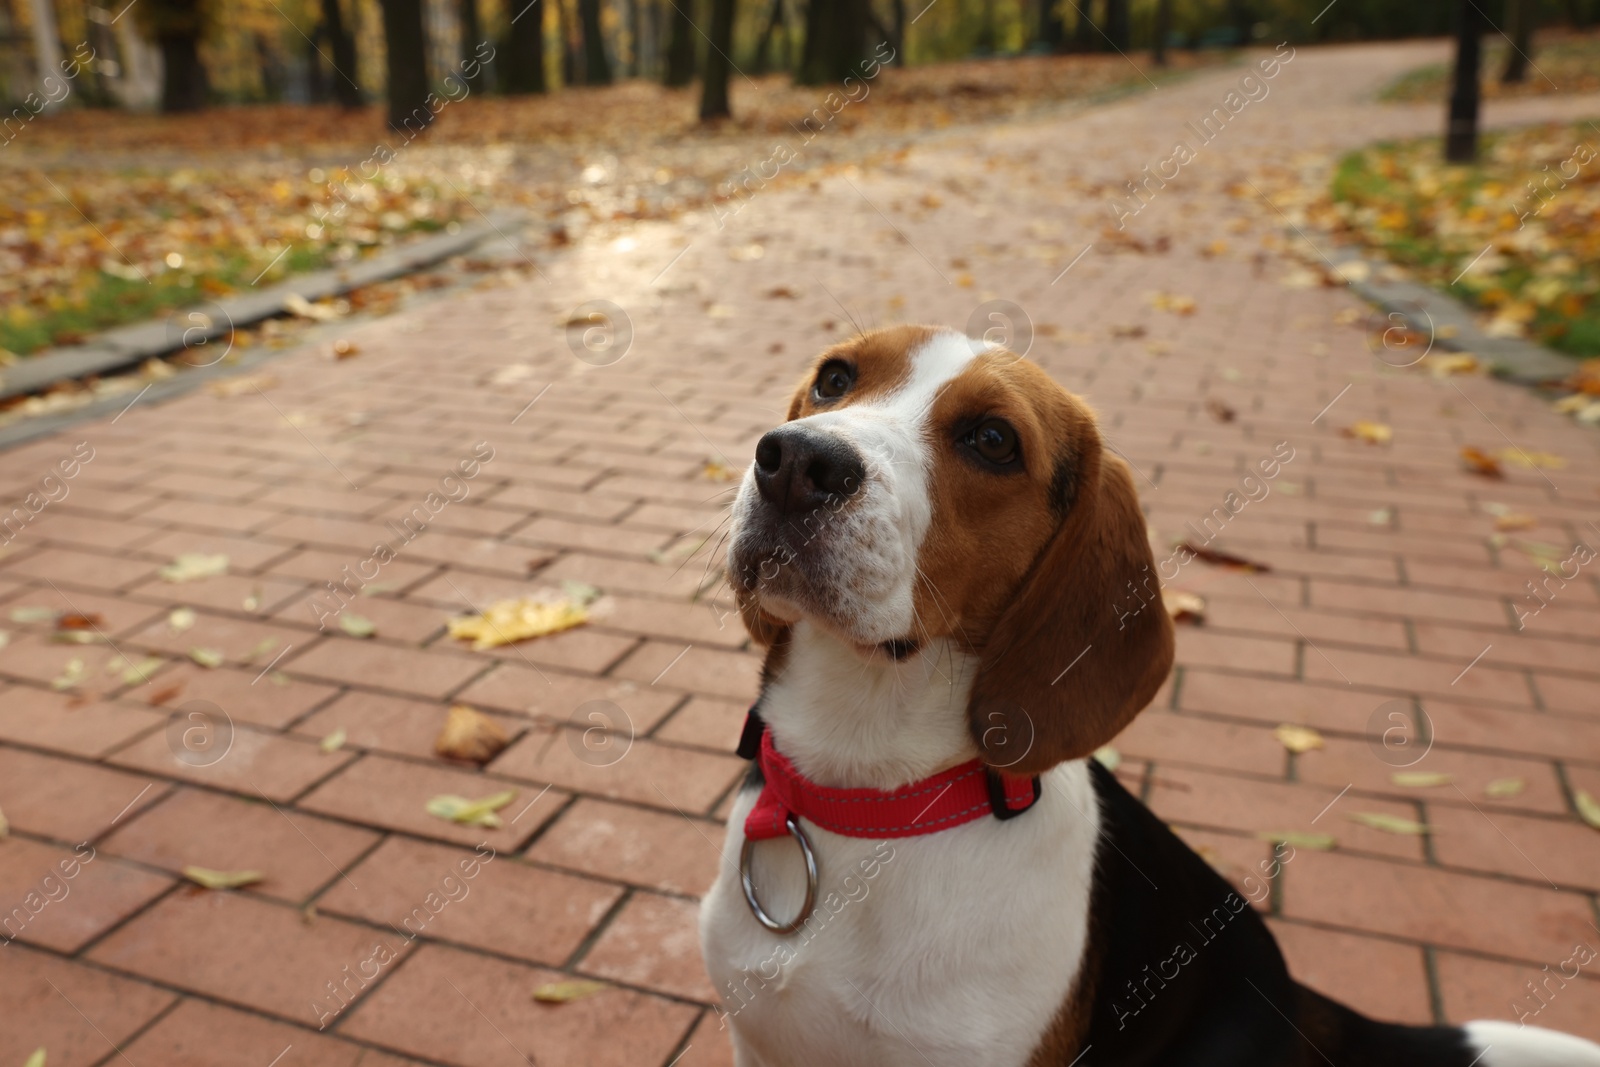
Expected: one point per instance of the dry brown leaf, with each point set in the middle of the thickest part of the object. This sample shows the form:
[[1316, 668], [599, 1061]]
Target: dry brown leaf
[[1224, 559], [1220, 411], [161, 696], [343, 349], [1515, 520], [1373, 433], [470, 735], [1297, 739], [1480, 462], [566, 992], [75, 621], [1184, 607]]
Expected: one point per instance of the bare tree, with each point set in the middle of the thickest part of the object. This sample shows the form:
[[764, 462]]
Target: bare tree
[[596, 68], [405, 41], [346, 87], [176, 26], [680, 48], [836, 40], [524, 58], [1162, 27], [714, 87], [1520, 18]]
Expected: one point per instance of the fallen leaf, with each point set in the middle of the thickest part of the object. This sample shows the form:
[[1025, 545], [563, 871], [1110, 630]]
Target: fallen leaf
[[1184, 607], [1176, 303], [782, 292], [1128, 331], [1299, 839], [1220, 411], [1531, 459], [1389, 824], [262, 647], [1480, 462], [580, 593], [161, 696], [1373, 433], [5, 827], [1381, 517], [1353, 271], [459, 809], [717, 471], [1224, 559], [1297, 739], [71, 675], [509, 621], [565, 992], [1504, 788], [75, 621], [308, 915], [192, 566], [469, 735], [1515, 521], [343, 349], [141, 672], [209, 658], [249, 383], [334, 741], [1420, 779], [31, 614], [253, 601], [1588, 808], [1108, 757], [221, 879], [181, 619], [299, 306], [356, 625], [35, 1060], [5, 638]]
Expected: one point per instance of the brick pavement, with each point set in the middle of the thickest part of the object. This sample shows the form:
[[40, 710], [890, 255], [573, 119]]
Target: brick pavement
[[1386, 593]]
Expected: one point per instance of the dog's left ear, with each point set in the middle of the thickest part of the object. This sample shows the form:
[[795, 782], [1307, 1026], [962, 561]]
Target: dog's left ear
[[1086, 642]]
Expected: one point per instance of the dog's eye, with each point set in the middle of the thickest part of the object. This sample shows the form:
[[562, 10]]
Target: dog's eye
[[994, 440], [834, 380]]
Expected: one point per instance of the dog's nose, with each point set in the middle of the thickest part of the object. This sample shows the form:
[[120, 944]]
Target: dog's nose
[[799, 469]]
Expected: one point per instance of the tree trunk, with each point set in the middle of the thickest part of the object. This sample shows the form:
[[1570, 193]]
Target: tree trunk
[[764, 45], [680, 48], [524, 62], [1521, 15], [836, 40], [1086, 37], [596, 69], [899, 42], [1052, 31], [1163, 26], [1461, 132], [471, 37], [316, 76], [183, 77], [569, 53], [46, 45], [634, 37], [986, 31], [406, 43], [346, 87], [1117, 24], [714, 87]]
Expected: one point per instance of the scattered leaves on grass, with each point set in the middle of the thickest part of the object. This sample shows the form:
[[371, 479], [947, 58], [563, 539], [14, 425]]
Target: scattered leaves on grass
[[1108, 757], [1504, 788], [509, 621], [469, 735], [241, 386], [334, 741], [1297, 739], [1421, 779], [181, 619], [1224, 559], [209, 658], [211, 879], [356, 625], [467, 812], [1373, 433], [1588, 808], [1220, 411], [1299, 839], [1184, 607], [1389, 824], [1478, 461], [568, 991], [193, 566]]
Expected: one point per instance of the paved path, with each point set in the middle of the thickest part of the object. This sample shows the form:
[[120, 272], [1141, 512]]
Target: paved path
[[1385, 594]]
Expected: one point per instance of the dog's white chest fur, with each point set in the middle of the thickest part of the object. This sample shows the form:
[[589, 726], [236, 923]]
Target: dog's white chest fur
[[951, 948]]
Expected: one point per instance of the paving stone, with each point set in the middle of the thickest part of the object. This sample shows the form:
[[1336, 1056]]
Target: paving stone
[[201, 1034], [389, 724], [44, 719], [67, 800], [215, 753], [635, 845], [1474, 988], [63, 898], [557, 696], [643, 770], [78, 1014]]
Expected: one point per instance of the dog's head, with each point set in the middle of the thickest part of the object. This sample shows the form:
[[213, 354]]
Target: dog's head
[[930, 487]]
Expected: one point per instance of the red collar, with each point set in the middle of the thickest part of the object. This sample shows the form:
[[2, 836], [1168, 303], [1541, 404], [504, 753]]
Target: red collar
[[947, 799]]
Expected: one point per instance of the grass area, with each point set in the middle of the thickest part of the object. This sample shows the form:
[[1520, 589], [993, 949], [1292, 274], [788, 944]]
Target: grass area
[[169, 210], [1561, 63], [1531, 208]]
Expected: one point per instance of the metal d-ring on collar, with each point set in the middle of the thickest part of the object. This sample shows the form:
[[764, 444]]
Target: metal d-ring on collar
[[811, 881]]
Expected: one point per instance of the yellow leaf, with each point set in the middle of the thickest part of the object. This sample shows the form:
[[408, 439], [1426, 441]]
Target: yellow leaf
[[459, 809], [249, 383], [469, 735], [1515, 521], [32, 614], [192, 566], [718, 471], [37, 1059], [221, 879], [1108, 757], [141, 672], [1297, 739], [5, 827], [71, 675], [509, 621], [334, 741], [1389, 824], [564, 992], [1530, 459], [356, 625], [1504, 788], [1444, 366], [1420, 779], [209, 658], [1373, 433], [181, 619], [1299, 839], [1184, 607], [1588, 808]]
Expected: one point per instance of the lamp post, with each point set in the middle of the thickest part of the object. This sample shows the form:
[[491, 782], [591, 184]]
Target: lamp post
[[1461, 136]]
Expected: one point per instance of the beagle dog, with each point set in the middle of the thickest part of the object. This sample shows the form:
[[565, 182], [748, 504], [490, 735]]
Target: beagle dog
[[925, 867]]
